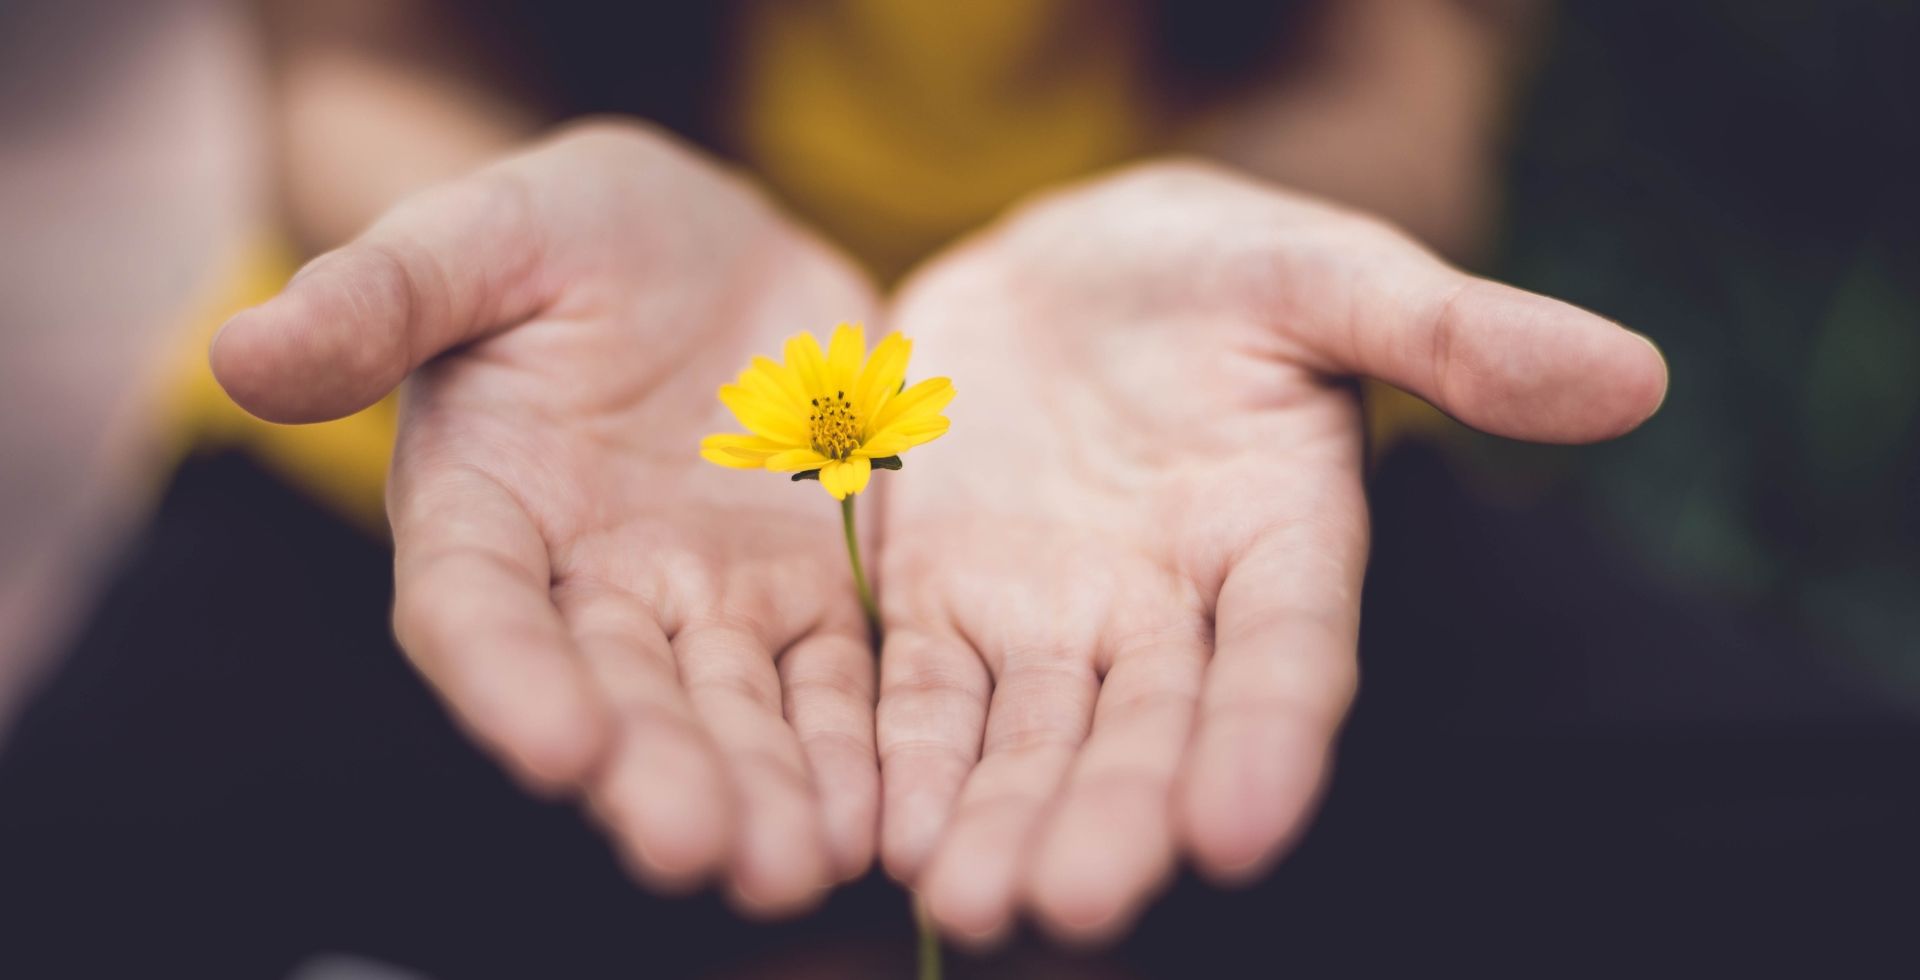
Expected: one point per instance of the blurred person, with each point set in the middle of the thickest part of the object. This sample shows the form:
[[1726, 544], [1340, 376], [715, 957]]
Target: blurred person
[[614, 201], [1033, 720], [119, 187]]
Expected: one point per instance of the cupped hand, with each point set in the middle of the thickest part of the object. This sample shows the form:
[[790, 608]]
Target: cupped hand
[[1122, 596], [609, 614]]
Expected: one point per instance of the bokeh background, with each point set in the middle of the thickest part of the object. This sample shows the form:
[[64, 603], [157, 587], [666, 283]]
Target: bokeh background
[[1654, 703]]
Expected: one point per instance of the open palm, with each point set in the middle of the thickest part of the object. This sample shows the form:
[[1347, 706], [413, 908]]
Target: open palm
[[678, 644], [1122, 596]]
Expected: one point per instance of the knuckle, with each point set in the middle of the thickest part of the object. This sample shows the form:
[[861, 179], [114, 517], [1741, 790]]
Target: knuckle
[[837, 685], [1124, 782], [920, 752], [385, 291], [1042, 742]]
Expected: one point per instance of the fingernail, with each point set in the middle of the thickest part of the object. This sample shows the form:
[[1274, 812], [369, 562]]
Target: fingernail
[[1666, 376]]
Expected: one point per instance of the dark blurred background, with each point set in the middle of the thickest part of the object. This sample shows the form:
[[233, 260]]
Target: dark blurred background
[[1652, 705]]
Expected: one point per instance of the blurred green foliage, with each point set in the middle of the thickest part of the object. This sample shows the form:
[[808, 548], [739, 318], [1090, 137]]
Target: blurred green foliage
[[1737, 180]]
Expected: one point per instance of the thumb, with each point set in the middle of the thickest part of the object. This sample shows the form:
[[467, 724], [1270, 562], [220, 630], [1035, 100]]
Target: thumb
[[445, 267], [1500, 359]]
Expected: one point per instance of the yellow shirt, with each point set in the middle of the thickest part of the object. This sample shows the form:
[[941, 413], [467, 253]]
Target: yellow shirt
[[893, 127]]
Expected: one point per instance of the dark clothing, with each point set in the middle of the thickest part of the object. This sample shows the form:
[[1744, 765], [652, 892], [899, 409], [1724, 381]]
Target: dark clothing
[[236, 770]]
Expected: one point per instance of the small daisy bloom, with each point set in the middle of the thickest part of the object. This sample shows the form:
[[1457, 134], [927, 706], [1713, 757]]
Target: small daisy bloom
[[835, 416]]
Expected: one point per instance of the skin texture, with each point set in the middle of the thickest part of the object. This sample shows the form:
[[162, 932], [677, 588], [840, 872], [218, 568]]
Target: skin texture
[[1122, 595], [677, 645]]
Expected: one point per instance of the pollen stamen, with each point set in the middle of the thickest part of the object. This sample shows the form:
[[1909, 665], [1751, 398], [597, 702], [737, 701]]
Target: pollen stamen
[[833, 427]]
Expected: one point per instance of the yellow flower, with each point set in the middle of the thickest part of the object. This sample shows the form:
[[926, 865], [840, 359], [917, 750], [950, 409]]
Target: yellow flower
[[838, 415]]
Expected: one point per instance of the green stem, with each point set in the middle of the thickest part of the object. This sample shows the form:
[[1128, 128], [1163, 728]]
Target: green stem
[[867, 604], [929, 940]]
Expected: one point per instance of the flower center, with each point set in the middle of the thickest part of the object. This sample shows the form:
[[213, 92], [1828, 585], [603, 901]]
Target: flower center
[[834, 429]]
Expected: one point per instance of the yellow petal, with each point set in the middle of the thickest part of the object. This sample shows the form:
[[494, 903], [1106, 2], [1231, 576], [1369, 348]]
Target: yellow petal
[[902, 436], [882, 375], [830, 480], [765, 418], [784, 376], [795, 460], [774, 383], [729, 461], [844, 351], [842, 478], [854, 474], [808, 365], [740, 451], [922, 400]]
